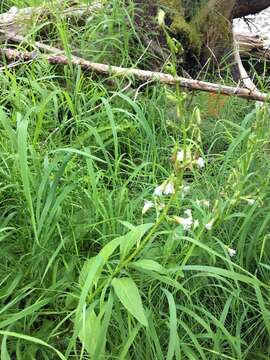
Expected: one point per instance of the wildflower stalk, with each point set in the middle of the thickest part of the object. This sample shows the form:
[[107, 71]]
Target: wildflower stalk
[[179, 181], [146, 240]]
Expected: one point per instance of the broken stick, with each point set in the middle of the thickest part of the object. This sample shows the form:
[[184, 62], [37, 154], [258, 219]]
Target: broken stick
[[144, 75]]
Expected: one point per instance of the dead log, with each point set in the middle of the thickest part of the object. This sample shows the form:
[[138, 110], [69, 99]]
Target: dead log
[[143, 75], [18, 21], [252, 46]]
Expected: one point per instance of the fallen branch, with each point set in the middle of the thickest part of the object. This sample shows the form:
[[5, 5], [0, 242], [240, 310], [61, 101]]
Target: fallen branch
[[17, 21], [144, 75], [244, 77]]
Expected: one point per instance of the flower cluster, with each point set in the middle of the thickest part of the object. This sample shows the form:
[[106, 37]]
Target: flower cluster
[[186, 156], [184, 159], [166, 188], [188, 221]]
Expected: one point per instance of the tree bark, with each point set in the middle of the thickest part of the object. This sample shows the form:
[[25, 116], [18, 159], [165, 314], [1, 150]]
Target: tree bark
[[249, 7], [217, 29]]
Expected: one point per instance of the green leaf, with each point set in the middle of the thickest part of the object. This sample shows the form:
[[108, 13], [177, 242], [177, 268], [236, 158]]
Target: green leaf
[[91, 275], [101, 343], [128, 293], [33, 340], [93, 332], [173, 346], [133, 237], [103, 255], [5, 121], [90, 332], [4, 351], [149, 265]]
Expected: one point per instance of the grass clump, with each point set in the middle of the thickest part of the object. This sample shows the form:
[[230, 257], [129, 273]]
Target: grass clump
[[134, 222]]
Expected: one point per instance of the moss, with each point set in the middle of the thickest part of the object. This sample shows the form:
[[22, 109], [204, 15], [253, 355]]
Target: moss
[[179, 24]]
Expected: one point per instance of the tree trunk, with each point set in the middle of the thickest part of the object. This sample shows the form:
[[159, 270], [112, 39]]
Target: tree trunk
[[216, 29], [203, 27], [249, 7]]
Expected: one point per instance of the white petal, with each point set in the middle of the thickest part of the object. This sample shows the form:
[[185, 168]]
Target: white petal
[[188, 213], [251, 201], [147, 205], [169, 188], [231, 252], [200, 162], [185, 222], [203, 202], [206, 203], [196, 223], [159, 190], [186, 189], [209, 225], [182, 154]]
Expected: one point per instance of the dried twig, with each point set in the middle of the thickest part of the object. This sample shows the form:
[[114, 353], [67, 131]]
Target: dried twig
[[143, 75]]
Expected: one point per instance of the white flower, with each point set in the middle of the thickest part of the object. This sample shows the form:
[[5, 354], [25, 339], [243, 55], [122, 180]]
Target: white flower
[[147, 205], [203, 202], [250, 201], [185, 222], [169, 188], [200, 162], [188, 213], [185, 189], [231, 252], [209, 225], [159, 190], [166, 188], [196, 224], [181, 155]]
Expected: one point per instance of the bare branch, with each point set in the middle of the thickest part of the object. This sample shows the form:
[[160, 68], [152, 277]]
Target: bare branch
[[142, 75]]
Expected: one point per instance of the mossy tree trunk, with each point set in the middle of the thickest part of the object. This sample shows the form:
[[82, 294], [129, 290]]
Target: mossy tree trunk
[[215, 26], [204, 27]]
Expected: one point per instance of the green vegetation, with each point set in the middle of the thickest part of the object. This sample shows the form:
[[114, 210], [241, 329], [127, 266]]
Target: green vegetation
[[84, 275]]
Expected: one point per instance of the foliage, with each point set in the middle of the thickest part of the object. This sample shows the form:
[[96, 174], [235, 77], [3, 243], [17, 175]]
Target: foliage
[[84, 274]]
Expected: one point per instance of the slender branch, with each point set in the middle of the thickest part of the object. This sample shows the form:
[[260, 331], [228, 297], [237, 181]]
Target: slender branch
[[143, 75]]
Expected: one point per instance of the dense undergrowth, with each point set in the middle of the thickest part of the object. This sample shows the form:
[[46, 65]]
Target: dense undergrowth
[[84, 274]]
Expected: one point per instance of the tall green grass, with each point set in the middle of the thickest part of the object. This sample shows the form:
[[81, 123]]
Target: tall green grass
[[83, 273]]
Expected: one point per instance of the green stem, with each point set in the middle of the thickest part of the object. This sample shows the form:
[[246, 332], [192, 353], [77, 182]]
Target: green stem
[[123, 264]]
